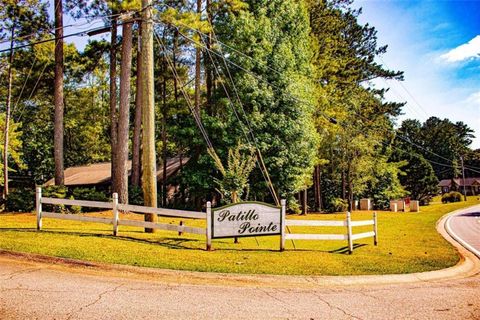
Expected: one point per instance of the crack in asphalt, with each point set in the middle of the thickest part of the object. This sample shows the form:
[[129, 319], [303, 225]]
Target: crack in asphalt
[[99, 297], [331, 306], [283, 303], [13, 274], [20, 288]]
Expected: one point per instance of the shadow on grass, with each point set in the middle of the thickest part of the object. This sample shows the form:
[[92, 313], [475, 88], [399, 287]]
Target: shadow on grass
[[170, 243]]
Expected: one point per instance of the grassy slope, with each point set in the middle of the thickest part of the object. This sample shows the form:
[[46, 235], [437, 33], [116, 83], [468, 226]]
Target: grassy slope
[[408, 242]]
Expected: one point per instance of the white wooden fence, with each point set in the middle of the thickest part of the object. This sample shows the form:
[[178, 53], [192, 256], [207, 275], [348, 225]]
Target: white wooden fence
[[115, 221], [207, 231], [347, 223]]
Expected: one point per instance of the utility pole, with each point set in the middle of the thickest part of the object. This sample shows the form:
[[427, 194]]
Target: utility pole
[[149, 162], [7, 116], [58, 95], [463, 177], [198, 52]]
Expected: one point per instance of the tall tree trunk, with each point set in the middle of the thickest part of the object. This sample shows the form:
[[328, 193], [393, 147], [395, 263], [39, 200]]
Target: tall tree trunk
[[174, 58], [198, 52], [315, 189], [208, 66], [344, 186], [113, 100], [58, 95], [350, 188], [149, 166], [303, 196], [7, 116], [319, 183], [164, 141], [121, 167], [137, 126]]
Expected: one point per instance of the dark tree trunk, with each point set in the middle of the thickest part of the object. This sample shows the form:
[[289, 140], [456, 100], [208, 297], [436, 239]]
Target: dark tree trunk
[[121, 168], [113, 100], [320, 201], [137, 126], [7, 116], [344, 186], [149, 162], [208, 66], [174, 58], [350, 188], [58, 95], [164, 142], [303, 195]]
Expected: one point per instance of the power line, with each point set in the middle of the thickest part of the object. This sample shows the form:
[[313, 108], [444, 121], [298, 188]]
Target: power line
[[52, 30], [407, 91]]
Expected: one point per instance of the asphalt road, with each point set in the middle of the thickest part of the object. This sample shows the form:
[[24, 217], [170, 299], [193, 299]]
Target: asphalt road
[[44, 290], [466, 226]]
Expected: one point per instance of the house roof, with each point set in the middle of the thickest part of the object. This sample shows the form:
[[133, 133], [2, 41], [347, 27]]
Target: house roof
[[100, 173], [459, 182]]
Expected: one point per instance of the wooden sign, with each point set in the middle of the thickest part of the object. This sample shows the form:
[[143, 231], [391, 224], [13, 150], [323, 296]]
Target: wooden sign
[[246, 219]]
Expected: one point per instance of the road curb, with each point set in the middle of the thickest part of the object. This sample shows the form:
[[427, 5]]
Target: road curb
[[468, 265], [458, 238]]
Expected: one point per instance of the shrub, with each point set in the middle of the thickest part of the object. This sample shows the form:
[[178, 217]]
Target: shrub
[[339, 205], [54, 192], [453, 196], [90, 194], [135, 195], [20, 200]]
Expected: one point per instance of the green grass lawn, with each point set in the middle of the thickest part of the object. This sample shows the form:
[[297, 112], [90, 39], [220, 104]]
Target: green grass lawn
[[408, 242]]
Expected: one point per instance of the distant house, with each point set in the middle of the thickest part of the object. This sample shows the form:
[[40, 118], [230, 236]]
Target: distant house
[[99, 174], [472, 185]]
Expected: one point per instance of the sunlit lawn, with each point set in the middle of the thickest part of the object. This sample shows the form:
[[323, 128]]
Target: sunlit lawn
[[408, 242]]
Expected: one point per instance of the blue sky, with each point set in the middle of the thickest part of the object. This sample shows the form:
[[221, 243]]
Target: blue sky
[[437, 45]]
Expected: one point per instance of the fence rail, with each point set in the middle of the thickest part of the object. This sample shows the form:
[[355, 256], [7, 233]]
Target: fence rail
[[163, 212], [349, 236], [115, 221]]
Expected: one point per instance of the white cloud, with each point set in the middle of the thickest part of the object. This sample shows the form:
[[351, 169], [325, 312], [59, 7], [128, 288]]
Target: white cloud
[[474, 98], [469, 50]]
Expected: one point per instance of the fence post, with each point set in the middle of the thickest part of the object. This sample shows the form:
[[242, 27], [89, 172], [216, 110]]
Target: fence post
[[375, 229], [209, 226], [282, 224], [180, 232], [349, 233], [115, 213], [38, 207]]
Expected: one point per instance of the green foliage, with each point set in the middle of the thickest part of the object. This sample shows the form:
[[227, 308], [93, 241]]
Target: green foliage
[[419, 178], [91, 194], [453, 196], [447, 140], [54, 192], [74, 209], [278, 105], [235, 175], [339, 205], [135, 195], [14, 145], [20, 200]]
